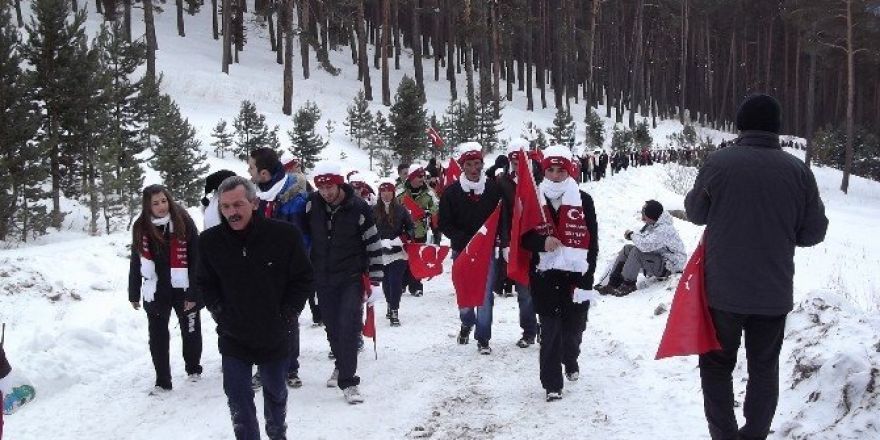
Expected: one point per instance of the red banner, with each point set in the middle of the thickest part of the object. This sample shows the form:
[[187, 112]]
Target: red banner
[[470, 271], [425, 260], [526, 216], [415, 211], [689, 328]]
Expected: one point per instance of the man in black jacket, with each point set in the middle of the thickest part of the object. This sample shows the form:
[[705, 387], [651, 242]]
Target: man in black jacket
[[758, 202], [464, 207], [256, 277], [345, 248]]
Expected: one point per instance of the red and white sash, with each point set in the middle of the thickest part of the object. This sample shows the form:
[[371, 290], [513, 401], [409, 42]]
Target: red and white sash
[[570, 228], [178, 261]]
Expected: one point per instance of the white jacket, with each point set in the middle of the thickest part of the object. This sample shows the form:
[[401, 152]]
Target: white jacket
[[662, 237]]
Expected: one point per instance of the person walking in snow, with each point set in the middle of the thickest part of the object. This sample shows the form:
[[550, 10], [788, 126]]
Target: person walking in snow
[[464, 207], [656, 250], [562, 268], [282, 197], [758, 203], [345, 248], [164, 254], [210, 203], [255, 277], [395, 227], [528, 319], [414, 188], [361, 188]]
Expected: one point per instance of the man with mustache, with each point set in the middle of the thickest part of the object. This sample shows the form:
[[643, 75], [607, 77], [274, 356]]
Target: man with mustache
[[255, 277]]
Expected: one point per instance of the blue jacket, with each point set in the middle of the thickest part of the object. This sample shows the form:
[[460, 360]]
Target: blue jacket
[[290, 203]]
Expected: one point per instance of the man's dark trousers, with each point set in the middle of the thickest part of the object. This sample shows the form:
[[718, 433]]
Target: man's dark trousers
[[763, 340], [240, 394], [341, 310]]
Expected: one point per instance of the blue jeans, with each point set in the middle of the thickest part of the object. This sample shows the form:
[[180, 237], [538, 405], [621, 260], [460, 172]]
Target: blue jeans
[[528, 320], [392, 284], [481, 316], [240, 395], [341, 309]]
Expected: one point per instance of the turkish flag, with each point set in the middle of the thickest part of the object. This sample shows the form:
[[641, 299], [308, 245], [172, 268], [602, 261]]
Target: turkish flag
[[425, 260], [435, 137], [689, 328], [451, 174], [415, 211], [470, 270], [527, 215], [369, 328]]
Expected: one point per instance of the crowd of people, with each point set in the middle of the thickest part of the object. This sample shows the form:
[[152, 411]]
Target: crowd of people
[[275, 241]]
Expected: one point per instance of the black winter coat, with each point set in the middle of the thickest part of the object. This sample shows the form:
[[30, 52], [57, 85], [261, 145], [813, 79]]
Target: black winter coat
[[166, 295], [552, 290], [345, 241], [253, 283], [758, 202], [461, 216]]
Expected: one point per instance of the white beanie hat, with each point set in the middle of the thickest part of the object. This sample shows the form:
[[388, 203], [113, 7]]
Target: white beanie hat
[[469, 151], [518, 144]]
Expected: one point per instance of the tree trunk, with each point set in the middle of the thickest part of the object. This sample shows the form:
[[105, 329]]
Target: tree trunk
[[74, 5], [435, 39], [126, 20], [450, 51], [468, 55], [386, 29], [684, 52], [850, 99], [150, 29], [417, 45], [99, 8], [18, 16], [304, 35], [529, 61], [591, 45], [180, 30], [287, 19], [395, 16], [363, 65], [811, 103], [542, 50], [55, 168], [239, 28], [638, 50], [496, 60], [215, 26], [273, 44], [280, 38]]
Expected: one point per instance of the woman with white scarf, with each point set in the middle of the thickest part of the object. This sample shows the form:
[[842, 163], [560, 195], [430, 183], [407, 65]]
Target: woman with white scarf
[[562, 267], [161, 273]]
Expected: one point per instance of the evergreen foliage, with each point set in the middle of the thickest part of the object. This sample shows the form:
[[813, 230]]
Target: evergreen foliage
[[407, 116], [595, 129], [563, 130], [178, 158], [223, 141], [307, 144], [251, 131]]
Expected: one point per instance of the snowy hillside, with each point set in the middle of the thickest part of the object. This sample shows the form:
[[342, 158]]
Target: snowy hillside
[[72, 331]]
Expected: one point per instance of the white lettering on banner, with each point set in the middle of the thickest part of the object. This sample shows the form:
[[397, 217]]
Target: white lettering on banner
[[191, 322]]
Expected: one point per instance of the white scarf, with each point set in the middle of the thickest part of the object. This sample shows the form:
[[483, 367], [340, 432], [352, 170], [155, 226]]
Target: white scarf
[[161, 221], [563, 258], [272, 193], [477, 187]]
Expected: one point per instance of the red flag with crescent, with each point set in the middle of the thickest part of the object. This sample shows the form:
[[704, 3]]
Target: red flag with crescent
[[451, 174], [369, 328], [527, 215], [425, 260], [689, 328], [415, 211], [470, 270], [435, 137]]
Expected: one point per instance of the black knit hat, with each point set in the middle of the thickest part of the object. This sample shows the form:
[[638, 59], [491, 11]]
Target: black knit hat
[[759, 112], [213, 181], [652, 209]]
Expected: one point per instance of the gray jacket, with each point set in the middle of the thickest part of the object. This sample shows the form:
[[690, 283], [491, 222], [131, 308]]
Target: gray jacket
[[662, 237], [758, 202]]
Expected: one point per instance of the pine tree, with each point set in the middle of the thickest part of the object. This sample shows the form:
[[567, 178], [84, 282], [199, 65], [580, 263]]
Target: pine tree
[[22, 170], [407, 116], [50, 51], [459, 124], [595, 129], [621, 139], [641, 136], [120, 167], [273, 141], [563, 130], [385, 165], [148, 102], [687, 138], [222, 139], [178, 158], [488, 124], [307, 143], [251, 130], [359, 120]]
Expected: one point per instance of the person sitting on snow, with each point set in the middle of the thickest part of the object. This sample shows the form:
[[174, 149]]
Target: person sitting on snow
[[656, 250]]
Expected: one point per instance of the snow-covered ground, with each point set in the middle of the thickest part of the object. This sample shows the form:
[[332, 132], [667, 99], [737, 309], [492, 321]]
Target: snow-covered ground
[[72, 331]]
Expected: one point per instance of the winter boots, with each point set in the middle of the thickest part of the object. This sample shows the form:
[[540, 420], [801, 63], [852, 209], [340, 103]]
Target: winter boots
[[554, 395], [525, 341], [464, 334], [625, 288], [293, 380], [615, 279], [333, 381], [483, 347], [353, 395], [394, 318]]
